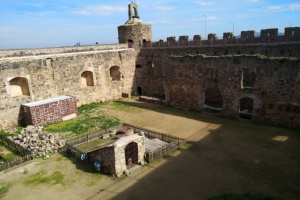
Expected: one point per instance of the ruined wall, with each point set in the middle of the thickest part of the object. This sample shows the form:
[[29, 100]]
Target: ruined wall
[[84, 75], [268, 75], [49, 111]]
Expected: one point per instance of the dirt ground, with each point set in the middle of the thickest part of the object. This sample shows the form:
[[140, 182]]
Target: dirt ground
[[217, 155]]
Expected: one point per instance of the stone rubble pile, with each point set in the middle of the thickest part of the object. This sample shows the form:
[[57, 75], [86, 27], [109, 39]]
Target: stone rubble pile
[[38, 142]]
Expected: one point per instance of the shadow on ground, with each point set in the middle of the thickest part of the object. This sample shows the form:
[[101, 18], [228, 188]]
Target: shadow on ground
[[238, 157]]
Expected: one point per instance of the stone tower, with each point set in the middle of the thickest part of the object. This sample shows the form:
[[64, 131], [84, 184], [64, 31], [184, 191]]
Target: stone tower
[[134, 31]]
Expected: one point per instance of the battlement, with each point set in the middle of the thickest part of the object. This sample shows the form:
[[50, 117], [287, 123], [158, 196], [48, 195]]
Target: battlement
[[291, 34]]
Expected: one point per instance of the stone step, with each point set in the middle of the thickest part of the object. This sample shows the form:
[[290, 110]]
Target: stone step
[[134, 168]]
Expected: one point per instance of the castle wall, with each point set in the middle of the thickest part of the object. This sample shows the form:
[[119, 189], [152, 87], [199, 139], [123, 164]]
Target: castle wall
[[62, 74], [58, 50], [268, 75]]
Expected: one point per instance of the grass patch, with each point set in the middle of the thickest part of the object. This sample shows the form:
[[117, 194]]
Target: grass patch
[[2, 132], [18, 130], [231, 196], [88, 107], [94, 143], [9, 156], [41, 178], [4, 188], [83, 125], [89, 120], [95, 178]]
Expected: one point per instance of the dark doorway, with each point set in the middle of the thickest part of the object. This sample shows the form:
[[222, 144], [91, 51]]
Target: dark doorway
[[139, 90], [246, 108], [213, 99], [131, 154], [130, 43]]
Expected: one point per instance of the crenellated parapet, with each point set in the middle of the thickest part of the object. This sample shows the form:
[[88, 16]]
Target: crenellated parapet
[[291, 34]]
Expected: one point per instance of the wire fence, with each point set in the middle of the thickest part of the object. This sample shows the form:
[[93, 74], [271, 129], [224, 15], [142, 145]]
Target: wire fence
[[172, 141]]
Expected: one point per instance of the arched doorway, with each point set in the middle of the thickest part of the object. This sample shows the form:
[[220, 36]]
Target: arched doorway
[[131, 154], [19, 87], [115, 73], [246, 108], [87, 78]]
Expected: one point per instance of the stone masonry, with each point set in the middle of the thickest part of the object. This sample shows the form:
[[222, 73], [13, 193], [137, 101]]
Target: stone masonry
[[256, 75], [49, 111], [94, 76]]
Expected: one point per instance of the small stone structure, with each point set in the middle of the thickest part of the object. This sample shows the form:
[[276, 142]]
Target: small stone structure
[[49, 111], [38, 142], [122, 149], [120, 156]]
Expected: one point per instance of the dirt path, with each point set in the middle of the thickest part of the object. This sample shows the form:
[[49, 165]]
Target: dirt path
[[218, 155]]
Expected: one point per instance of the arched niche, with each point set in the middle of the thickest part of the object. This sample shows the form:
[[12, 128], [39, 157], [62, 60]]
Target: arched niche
[[246, 107], [87, 78], [19, 87], [213, 99], [115, 73]]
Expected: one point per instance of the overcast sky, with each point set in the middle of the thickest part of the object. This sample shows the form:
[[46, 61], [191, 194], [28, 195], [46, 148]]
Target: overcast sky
[[54, 23]]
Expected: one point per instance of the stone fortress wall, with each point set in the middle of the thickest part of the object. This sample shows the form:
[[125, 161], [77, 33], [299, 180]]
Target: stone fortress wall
[[262, 79], [291, 34], [254, 76], [90, 76], [58, 50]]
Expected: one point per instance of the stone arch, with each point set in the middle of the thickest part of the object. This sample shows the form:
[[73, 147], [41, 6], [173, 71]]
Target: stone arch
[[87, 78], [133, 7], [131, 154], [19, 87], [115, 73], [246, 107]]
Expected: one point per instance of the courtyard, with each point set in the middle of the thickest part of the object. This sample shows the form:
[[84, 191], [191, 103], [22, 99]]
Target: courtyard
[[217, 155]]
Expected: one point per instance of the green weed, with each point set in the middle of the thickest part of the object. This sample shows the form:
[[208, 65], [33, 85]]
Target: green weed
[[4, 188], [89, 107], [9, 156], [40, 178], [83, 125]]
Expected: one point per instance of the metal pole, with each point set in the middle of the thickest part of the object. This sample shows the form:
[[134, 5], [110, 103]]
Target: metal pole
[[204, 26]]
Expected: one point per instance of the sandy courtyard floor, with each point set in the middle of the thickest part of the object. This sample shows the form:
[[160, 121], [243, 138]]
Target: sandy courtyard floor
[[217, 155]]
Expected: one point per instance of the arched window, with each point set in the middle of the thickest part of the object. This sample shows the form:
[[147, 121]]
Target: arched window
[[246, 108], [115, 73], [87, 78], [19, 87]]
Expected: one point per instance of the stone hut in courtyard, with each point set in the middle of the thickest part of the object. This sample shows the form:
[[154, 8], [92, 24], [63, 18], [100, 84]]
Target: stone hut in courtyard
[[120, 156]]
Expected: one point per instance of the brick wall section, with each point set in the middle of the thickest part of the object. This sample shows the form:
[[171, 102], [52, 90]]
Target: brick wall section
[[49, 113]]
